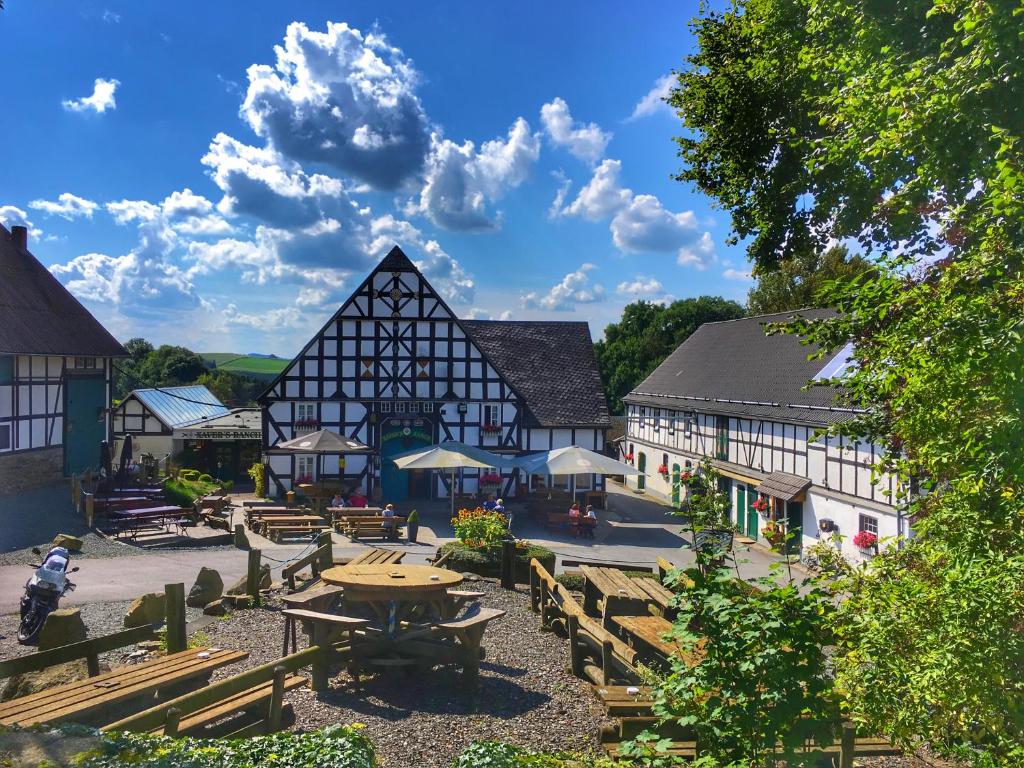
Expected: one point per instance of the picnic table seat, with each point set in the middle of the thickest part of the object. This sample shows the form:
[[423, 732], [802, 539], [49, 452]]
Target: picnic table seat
[[276, 532], [619, 702], [468, 630], [319, 600], [377, 556], [372, 528], [91, 701]]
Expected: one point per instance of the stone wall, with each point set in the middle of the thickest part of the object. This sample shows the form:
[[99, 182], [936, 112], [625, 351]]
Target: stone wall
[[30, 469]]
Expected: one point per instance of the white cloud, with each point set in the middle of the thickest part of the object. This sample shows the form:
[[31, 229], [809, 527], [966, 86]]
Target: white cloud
[[12, 216], [654, 101], [737, 274], [184, 211], [67, 206], [100, 101], [641, 286], [460, 181], [110, 17], [342, 98], [266, 321], [312, 297], [640, 223], [586, 142], [564, 185], [574, 288]]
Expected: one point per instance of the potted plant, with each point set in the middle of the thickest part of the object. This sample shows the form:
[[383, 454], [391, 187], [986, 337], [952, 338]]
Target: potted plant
[[867, 541], [685, 477], [773, 532], [761, 505], [412, 526], [663, 470]]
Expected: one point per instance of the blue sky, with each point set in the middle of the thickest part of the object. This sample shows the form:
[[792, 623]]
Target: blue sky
[[222, 175]]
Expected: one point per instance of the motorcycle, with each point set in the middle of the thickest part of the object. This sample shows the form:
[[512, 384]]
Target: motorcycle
[[43, 591]]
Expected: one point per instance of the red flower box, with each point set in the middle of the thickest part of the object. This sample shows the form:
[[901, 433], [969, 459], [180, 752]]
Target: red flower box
[[491, 479], [865, 540], [761, 505], [662, 470]]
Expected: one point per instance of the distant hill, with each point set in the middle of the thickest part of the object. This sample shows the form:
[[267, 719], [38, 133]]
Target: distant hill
[[264, 367]]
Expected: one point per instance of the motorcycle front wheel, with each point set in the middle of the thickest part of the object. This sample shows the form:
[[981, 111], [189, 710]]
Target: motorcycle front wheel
[[31, 624]]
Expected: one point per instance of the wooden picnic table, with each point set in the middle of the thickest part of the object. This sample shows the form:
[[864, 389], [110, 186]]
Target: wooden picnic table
[[609, 591], [393, 591], [645, 632], [297, 520], [337, 513], [90, 700]]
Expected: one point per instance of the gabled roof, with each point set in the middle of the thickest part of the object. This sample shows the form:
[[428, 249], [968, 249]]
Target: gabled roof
[[550, 364], [38, 316], [733, 367], [178, 407]]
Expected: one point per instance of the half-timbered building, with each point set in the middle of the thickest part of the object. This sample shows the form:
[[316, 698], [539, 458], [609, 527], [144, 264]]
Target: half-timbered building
[[55, 373], [396, 369], [735, 395]]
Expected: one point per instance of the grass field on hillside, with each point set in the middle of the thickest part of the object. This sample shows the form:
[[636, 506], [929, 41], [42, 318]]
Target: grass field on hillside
[[257, 367]]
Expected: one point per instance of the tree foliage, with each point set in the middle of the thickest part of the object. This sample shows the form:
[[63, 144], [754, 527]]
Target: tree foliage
[[647, 334], [898, 127], [798, 281]]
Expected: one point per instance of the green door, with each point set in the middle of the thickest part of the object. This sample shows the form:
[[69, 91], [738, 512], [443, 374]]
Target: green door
[[741, 508], [794, 526], [394, 440], [752, 515], [641, 465], [675, 486], [84, 422]]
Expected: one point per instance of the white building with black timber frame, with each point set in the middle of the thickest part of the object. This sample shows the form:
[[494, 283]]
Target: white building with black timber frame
[[55, 373], [395, 369], [739, 397]]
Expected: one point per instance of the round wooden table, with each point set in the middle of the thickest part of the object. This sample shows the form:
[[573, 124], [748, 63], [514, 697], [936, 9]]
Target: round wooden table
[[390, 588]]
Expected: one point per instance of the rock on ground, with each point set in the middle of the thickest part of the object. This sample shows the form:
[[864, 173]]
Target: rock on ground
[[209, 586], [62, 627], [148, 609]]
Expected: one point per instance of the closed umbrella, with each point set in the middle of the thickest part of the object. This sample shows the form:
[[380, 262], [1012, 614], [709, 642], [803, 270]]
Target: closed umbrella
[[573, 460], [451, 455]]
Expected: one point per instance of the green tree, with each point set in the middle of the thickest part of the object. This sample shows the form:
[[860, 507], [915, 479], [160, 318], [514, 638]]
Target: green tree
[[647, 334], [127, 369], [899, 125], [797, 282], [169, 366], [230, 387]]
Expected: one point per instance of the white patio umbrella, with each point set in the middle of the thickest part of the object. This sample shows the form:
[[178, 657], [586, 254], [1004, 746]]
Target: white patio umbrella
[[573, 461], [451, 455]]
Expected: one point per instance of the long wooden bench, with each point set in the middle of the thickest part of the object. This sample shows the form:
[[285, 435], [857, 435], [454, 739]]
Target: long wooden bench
[[276, 532], [246, 691], [373, 528], [90, 701], [595, 653]]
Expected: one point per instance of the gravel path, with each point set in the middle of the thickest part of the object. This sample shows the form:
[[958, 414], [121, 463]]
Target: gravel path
[[526, 694]]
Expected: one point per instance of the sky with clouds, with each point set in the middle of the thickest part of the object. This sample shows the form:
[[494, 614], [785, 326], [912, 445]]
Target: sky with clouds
[[223, 175]]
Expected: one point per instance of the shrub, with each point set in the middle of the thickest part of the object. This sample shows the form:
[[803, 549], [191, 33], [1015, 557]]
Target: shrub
[[571, 581], [189, 474], [487, 562], [479, 528], [205, 478], [495, 754], [338, 746], [258, 473], [227, 485], [184, 492]]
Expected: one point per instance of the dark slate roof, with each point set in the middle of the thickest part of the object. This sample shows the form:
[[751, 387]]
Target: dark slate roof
[[550, 364], [396, 261], [733, 367], [38, 316]]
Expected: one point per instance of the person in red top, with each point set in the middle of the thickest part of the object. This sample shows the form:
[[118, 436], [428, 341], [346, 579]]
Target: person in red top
[[357, 499], [574, 518]]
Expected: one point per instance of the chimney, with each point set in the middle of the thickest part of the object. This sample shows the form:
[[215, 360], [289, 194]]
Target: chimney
[[20, 237]]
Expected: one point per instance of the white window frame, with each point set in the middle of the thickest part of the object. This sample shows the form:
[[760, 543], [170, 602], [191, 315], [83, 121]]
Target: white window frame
[[490, 415], [305, 411], [428, 407], [657, 419], [305, 465], [385, 406], [868, 523], [400, 406]]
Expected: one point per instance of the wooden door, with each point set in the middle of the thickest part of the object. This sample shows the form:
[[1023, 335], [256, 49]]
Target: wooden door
[[741, 508], [641, 465], [794, 527], [753, 516], [84, 423], [675, 486]]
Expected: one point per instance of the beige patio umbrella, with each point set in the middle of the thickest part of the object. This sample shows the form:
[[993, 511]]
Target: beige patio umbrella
[[451, 455], [573, 460], [321, 443]]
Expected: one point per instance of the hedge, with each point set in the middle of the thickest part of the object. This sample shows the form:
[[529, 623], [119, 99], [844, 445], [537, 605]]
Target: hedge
[[184, 492], [337, 746], [488, 562]]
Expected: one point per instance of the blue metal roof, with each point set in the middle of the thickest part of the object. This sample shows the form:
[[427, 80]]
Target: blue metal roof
[[177, 407]]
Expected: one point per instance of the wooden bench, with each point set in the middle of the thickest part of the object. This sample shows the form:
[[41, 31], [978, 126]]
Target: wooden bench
[[456, 600], [91, 701], [324, 631], [373, 528], [86, 649], [192, 713], [260, 523], [619, 702], [377, 556], [469, 632], [276, 532], [318, 560], [320, 600], [553, 520]]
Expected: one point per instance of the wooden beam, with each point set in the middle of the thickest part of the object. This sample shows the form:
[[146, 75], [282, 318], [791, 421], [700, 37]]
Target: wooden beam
[[174, 597]]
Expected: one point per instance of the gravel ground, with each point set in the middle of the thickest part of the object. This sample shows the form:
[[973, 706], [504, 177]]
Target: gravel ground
[[526, 694]]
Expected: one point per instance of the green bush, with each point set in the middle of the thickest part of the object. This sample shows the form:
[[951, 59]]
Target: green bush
[[258, 473], [487, 562], [205, 478], [227, 485], [641, 574], [189, 474], [337, 746], [184, 492], [571, 581]]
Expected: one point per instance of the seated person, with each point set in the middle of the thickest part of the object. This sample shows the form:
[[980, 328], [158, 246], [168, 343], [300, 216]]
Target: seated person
[[574, 517], [357, 499], [490, 503], [338, 500], [589, 522], [499, 506], [388, 523]]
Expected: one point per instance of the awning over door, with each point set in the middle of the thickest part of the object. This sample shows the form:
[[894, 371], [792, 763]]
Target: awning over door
[[785, 486]]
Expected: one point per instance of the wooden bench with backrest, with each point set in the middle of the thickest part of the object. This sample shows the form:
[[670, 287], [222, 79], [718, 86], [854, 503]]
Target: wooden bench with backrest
[[253, 515], [336, 514], [468, 631], [276, 532], [595, 653], [318, 560], [252, 702], [320, 599], [94, 701], [325, 631]]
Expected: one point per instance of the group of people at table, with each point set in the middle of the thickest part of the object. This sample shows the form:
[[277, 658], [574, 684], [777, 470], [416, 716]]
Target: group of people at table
[[357, 500], [582, 523]]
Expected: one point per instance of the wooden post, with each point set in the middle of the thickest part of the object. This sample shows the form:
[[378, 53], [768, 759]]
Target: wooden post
[[326, 558], [534, 588], [606, 662], [90, 509], [508, 564], [253, 579], [177, 639], [172, 721], [321, 676], [847, 746], [575, 652], [92, 661], [276, 700]]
